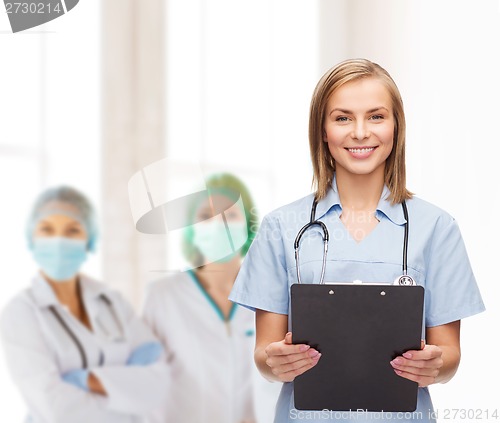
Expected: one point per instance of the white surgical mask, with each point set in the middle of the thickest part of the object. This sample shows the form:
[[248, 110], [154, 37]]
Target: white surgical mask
[[213, 239]]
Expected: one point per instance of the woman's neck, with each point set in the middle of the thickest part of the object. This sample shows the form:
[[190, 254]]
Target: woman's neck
[[360, 192], [220, 276], [69, 295], [217, 279], [66, 291]]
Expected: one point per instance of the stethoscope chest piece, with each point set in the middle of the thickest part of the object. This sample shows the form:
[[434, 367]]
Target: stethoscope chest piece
[[405, 280]]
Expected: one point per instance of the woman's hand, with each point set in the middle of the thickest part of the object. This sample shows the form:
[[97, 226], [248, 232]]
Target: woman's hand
[[95, 385], [78, 378], [145, 354], [85, 380], [287, 361], [423, 366], [436, 362]]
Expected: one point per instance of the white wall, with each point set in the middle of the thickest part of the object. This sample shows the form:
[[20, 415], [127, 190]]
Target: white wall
[[239, 81]]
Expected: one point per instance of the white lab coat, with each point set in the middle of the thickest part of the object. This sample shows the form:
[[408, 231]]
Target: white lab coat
[[211, 359], [39, 350]]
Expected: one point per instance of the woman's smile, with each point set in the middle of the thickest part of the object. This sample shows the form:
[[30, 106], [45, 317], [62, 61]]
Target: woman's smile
[[361, 152]]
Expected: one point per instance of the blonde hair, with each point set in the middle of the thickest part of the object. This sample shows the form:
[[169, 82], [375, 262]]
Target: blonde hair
[[322, 160]]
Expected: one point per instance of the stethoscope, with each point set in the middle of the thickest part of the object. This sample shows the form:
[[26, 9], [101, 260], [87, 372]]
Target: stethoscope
[[75, 339], [404, 279]]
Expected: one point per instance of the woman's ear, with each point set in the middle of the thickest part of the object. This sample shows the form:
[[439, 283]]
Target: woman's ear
[[324, 136]]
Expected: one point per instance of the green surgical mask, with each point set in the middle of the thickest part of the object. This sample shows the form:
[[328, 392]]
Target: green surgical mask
[[218, 243]]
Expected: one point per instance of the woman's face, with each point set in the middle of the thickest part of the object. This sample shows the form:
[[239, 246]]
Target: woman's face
[[221, 230], [359, 126], [217, 204], [59, 225]]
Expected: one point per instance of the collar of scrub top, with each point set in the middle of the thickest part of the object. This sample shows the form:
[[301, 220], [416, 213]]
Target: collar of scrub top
[[45, 296], [393, 212]]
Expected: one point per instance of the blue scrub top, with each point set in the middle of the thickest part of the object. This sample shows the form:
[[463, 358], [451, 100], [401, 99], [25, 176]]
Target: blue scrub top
[[437, 260]]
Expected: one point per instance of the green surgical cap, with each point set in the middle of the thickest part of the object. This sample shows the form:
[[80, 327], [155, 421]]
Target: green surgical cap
[[232, 187]]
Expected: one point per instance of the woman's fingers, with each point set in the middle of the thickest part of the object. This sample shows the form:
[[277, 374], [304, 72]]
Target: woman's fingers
[[296, 369], [285, 347], [287, 360], [280, 348], [281, 360], [296, 365], [427, 353], [421, 366], [419, 371], [422, 381], [405, 364]]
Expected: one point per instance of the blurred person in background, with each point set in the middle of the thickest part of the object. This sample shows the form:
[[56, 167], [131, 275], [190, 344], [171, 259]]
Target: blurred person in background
[[208, 340], [75, 348]]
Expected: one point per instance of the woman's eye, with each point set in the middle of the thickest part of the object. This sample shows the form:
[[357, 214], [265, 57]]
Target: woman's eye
[[74, 231], [377, 117], [233, 216], [204, 216], [341, 119], [45, 230]]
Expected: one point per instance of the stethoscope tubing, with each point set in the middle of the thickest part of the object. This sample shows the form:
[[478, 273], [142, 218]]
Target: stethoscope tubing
[[72, 334], [326, 238], [405, 241]]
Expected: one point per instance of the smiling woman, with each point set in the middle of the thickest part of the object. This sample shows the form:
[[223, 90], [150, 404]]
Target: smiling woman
[[357, 143]]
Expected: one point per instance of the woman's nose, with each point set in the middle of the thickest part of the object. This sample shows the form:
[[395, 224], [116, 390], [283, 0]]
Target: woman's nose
[[360, 131]]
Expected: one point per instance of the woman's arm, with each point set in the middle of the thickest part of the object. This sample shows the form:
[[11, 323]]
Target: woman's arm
[[436, 362], [32, 365], [275, 356], [133, 389]]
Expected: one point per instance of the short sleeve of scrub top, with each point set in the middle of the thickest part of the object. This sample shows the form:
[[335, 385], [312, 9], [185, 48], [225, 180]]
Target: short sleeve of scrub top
[[262, 279], [451, 292]]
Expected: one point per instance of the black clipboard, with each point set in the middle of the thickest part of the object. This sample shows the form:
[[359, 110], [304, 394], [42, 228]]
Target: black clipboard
[[359, 329]]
